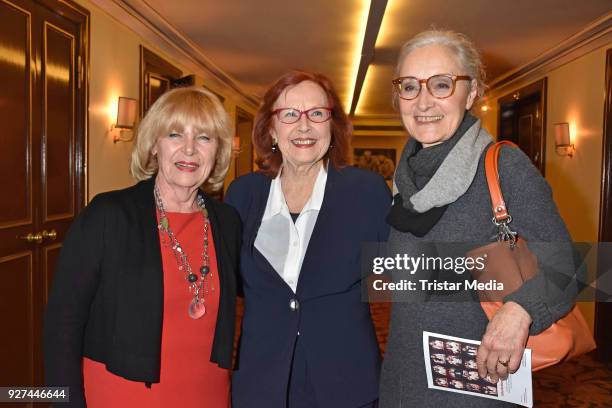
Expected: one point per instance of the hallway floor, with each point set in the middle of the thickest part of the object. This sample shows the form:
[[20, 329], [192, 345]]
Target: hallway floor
[[583, 382]]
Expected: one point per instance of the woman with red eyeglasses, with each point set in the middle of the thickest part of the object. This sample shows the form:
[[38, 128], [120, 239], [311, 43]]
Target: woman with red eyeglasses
[[307, 337]]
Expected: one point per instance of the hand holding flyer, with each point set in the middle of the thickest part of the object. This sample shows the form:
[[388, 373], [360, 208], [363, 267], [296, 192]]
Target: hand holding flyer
[[450, 363]]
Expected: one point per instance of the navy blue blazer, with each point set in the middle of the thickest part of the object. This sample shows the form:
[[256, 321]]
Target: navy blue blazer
[[335, 327]]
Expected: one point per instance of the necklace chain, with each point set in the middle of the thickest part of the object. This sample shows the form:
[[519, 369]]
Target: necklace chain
[[198, 285]]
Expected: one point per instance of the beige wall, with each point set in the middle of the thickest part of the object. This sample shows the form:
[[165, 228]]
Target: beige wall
[[576, 93], [114, 72]]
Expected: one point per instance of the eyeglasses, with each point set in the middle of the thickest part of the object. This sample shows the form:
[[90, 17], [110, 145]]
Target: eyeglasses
[[290, 115], [439, 86]]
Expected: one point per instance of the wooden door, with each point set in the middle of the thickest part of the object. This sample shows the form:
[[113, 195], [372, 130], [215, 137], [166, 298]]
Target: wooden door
[[42, 111], [530, 131], [244, 130], [522, 121], [603, 310], [156, 77]]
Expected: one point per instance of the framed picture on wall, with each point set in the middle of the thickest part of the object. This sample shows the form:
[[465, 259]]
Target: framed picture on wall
[[381, 161]]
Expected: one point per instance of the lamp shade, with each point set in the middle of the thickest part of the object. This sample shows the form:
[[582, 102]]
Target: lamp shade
[[126, 113], [562, 134]]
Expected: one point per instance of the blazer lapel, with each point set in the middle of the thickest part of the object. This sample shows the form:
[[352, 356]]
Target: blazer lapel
[[259, 206], [319, 240]]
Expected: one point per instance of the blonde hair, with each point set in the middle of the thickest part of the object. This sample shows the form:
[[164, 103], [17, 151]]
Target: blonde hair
[[174, 110], [459, 44]]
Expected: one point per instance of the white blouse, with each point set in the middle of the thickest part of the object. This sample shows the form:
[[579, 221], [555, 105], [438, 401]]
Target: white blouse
[[281, 241]]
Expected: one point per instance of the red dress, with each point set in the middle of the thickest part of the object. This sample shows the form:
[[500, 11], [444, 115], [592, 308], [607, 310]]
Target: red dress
[[187, 378]]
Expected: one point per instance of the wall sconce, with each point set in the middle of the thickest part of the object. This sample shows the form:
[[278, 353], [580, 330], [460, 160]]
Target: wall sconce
[[236, 146], [563, 146], [126, 119]]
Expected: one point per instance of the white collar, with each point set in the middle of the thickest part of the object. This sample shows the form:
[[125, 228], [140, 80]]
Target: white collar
[[276, 199]]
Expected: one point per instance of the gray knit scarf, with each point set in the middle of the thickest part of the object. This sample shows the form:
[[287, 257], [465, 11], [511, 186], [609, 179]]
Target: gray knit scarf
[[427, 181], [453, 177]]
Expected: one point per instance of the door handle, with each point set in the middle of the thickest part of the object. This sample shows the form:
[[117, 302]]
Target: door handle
[[52, 235], [38, 237], [33, 238]]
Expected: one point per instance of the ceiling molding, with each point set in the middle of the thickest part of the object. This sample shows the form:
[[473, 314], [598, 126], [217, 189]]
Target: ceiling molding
[[146, 14], [375, 17], [160, 28], [593, 36]]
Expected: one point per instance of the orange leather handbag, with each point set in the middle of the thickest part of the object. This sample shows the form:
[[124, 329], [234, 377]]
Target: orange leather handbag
[[510, 261]]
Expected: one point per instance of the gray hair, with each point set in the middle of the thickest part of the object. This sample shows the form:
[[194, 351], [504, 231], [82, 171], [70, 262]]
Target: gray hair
[[463, 48]]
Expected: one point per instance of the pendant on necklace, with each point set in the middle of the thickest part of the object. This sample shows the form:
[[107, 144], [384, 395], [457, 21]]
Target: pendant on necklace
[[197, 308], [163, 223]]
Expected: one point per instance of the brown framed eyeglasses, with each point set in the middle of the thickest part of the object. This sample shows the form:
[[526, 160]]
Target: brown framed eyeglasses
[[440, 86]]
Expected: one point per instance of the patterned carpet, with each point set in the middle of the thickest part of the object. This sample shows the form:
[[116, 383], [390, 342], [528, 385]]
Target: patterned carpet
[[583, 382]]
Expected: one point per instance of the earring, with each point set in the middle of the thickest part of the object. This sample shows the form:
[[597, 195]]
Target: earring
[[274, 146]]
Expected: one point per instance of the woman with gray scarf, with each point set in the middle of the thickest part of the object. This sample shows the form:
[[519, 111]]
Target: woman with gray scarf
[[441, 196]]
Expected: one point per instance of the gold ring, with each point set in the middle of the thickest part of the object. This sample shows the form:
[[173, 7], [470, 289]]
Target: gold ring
[[504, 363]]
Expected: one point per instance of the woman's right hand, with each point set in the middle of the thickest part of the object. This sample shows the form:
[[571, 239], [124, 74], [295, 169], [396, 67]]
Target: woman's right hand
[[503, 343]]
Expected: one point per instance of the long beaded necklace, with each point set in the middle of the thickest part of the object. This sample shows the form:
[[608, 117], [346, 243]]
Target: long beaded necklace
[[198, 285]]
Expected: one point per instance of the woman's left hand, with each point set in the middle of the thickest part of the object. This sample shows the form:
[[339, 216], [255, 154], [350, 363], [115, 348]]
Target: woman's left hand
[[501, 349]]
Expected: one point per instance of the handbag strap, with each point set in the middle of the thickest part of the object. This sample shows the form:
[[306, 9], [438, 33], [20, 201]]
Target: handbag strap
[[498, 205]]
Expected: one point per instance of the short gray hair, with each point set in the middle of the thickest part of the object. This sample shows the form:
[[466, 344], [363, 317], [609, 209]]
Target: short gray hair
[[463, 48]]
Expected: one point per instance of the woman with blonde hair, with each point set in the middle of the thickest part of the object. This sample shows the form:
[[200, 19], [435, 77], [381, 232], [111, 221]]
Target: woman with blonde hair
[[143, 301]]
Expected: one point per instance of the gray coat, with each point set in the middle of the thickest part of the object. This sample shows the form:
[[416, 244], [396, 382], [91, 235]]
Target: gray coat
[[535, 217]]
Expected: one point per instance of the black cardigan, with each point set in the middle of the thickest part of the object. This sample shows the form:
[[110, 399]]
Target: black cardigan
[[107, 298]]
